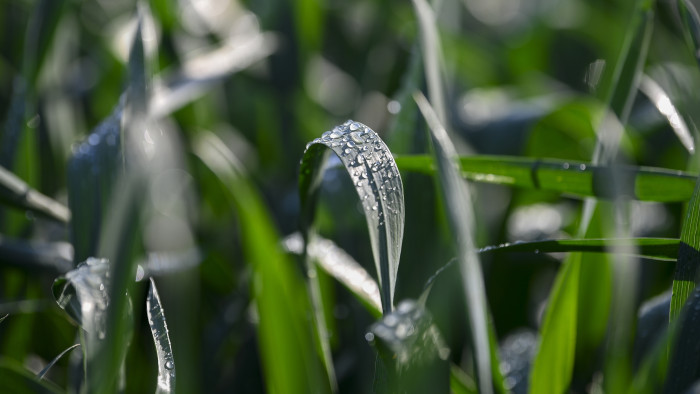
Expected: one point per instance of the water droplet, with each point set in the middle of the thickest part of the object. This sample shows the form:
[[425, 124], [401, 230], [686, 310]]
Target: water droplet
[[369, 337], [326, 135], [347, 151], [565, 166], [582, 167], [169, 365], [354, 126], [94, 139], [336, 134], [351, 144]]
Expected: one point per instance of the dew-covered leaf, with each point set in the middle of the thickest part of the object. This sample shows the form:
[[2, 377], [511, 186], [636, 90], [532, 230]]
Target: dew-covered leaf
[[664, 249], [159, 330], [14, 191], [378, 184], [48, 366], [581, 179], [82, 294], [460, 217], [289, 361], [412, 350], [18, 380]]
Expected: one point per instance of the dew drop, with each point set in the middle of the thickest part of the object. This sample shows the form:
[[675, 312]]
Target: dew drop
[[582, 167], [94, 139], [369, 337], [336, 134], [347, 151], [354, 126], [565, 166], [169, 365]]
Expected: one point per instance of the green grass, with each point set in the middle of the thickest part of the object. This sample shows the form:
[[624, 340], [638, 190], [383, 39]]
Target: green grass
[[513, 208]]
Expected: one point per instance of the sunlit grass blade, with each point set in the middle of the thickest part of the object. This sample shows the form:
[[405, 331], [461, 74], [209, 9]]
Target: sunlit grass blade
[[289, 361], [432, 56], [378, 184], [663, 103], [412, 350], [164, 352], [14, 377], [568, 177], [177, 88], [14, 191], [341, 266], [48, 366], [457, 201], [686, 275], [4, 317], [663, 249]]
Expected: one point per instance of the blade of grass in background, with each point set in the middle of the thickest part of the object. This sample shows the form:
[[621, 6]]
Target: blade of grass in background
[[686, 274], [663, 103], [17, 193], [377, 181], [22, 381], [691, 25], [45, 258], [569, 319], [569, 177], [289, 360], [161, 339], [460, 218], [663, 249], [48, 366], [684, 355], [4, 317]]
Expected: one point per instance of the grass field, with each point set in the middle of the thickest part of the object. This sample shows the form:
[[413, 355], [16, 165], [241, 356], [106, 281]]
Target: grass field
[[349, 196]]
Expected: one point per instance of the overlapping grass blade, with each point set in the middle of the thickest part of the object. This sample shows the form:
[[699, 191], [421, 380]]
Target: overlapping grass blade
[[432, 56], [686, 274], [691, 25], [164, 352], [48, 366], [45, 258], [21, 381], [569, 177], [663, 249], [14, 191], [289, 362], [461, 221], [378, 184]]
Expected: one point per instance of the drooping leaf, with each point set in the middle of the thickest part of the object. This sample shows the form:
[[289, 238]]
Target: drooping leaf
[[458, 204], [48, 366], [664, 249], [378, 184], [164, 352], [289, 362], [569, 177]]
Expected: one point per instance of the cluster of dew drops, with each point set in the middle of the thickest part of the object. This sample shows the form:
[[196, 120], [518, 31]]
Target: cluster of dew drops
[[363, 153]]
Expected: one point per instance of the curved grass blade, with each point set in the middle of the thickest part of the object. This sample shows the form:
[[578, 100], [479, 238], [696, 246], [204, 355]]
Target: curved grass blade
[[663, 103], [22, 381], [412, 350], [378, 184], [289, 362], [432, 56], [461, 221], [159, 330], [340, 265], [686, 276], [48, 366], [17, 193], [663, 249], [569, 177]]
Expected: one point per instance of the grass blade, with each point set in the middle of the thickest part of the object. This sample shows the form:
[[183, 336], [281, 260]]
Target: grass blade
[[460, 218], [684, 355], [46, 258], [22, 381], [4, 317], [686, 275], [691, 25], [663, 103], [378, 184], [432, 56], [663, 249], [341, 266], [159, 330], [573, 178], [289, 364], [17, 193], [48, 366]]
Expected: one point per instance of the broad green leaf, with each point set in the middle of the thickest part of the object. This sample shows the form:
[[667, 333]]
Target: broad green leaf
[[289, 361], [18, 380], [552, 367], [664, 249], [377, 181], [412, 350], [48, 366], [458, 205], [164, 352], [17, 193], [568, 177]]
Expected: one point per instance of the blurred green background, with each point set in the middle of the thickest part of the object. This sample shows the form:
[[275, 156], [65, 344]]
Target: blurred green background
[[520, 78]]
